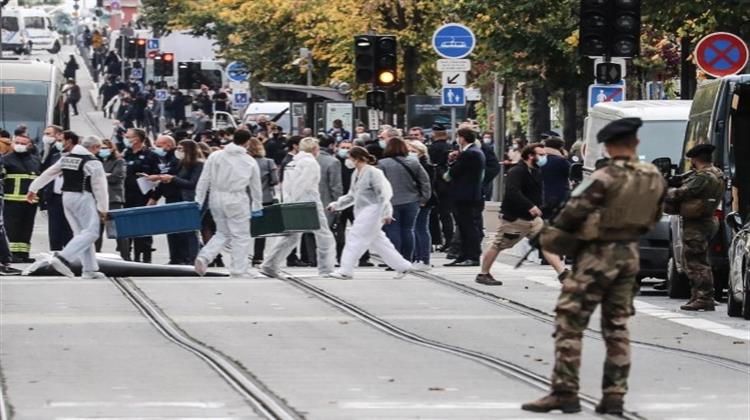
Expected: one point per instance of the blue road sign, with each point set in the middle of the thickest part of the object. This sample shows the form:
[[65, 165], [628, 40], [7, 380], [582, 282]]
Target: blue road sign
[[136, 73], [454, 96], [453, 40], [606, 93], [161, 95], [237, 72], [152, 44], [241, 99]]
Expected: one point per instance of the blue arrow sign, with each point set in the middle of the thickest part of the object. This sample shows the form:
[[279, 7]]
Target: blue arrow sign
[[454, 96], [237, 72], [152, 44], [606, 93], [453, 40]]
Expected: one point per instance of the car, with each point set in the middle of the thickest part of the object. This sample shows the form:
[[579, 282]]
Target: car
[[738, 289], [719, 115]]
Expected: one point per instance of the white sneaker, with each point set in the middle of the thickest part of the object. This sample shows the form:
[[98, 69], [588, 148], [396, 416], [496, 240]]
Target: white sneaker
[[338, 275], [271, 274], [420, 266], [60, 267], [201, 266], [93, 275], [402, 274]]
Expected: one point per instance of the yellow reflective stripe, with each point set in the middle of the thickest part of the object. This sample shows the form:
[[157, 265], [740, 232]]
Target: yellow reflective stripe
[[15, 194], [19, 247], [15, 197], [20, 176]]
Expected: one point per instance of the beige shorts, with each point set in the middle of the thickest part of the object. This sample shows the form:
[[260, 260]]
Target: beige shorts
[[510, 233]]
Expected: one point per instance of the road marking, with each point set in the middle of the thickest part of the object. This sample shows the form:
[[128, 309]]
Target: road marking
[[406, 405], [172, 404]]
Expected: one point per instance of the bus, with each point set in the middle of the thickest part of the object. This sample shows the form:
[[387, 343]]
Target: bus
[[31, 95]]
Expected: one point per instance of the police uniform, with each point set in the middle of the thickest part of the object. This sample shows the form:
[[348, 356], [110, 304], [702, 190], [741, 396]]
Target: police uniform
[[601, 220], [696, 200], [19, 215], [51, 200], [147, 162]]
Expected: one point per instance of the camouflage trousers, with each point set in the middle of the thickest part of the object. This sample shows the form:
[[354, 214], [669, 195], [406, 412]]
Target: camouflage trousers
[[695, 237], [604, 272]]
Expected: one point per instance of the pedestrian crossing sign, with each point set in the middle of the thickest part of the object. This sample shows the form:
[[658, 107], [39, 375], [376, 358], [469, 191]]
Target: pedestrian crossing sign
[[454, 96], [606, 93]]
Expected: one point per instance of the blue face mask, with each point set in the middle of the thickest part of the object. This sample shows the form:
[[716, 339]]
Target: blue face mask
[[59, 146], [160, 151], [104, 153], [381, 143], [343, 153], [541, 161], [126, 141]]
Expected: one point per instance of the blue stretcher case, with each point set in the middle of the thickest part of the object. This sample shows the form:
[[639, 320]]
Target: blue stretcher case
[[154, 220]]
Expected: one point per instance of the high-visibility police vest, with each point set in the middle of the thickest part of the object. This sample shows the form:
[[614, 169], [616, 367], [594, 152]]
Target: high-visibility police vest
[[74, 177], [17, 185]]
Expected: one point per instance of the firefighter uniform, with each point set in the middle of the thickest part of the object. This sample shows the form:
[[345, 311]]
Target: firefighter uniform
[[20, 170]]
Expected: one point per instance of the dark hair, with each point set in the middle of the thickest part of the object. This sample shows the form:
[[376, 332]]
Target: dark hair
[[294, 141], [467, 133], [361, 154], [554, 143], [325, 141], [241, 137], [71, 136], [4, 133], [20, 131], [141, 134], [530, 150], [115, 153], [192, 153], [396, 147]]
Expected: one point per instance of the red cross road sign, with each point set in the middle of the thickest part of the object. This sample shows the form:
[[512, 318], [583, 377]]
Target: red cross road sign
[[721, 54]]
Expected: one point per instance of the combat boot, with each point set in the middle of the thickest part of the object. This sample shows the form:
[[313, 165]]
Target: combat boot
[[699, 305], [611, 404], [567, 402]]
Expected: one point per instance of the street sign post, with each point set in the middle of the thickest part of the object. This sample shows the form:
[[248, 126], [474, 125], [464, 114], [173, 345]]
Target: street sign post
[[606, 93], [454, 78], [453, 40], [237, 72], [721, 54]]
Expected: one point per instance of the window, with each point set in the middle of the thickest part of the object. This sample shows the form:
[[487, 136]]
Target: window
[[35, 22], [24, 102], [9, 23]]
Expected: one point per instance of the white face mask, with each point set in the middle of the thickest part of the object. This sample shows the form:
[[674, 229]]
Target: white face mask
[[179, 154], [349, 164], [48, 139], [20, 148]]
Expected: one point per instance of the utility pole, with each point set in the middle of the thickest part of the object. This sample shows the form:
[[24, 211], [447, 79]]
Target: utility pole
[[498, 105]]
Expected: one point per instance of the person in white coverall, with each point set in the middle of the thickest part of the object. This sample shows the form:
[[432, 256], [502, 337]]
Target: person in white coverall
[[85, 202], [370, 194], [231, 179], [301, 184]]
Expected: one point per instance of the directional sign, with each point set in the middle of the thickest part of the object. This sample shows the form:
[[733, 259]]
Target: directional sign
[[241, 99], [136, 73], [237, 72], [454, 78], [161, 95], [721, 54], [152, 44], [453, 40], [473, 95], [454, 96], [453, 65], [606, 93]]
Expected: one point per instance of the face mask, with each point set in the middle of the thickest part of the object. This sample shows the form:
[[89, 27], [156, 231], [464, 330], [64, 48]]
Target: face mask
[[59, 146], [48, 139], [541, 161], [160, 151], [413, 155], [104, 153], [349, 164], [514, 146], [179, 154], [343, 153], [381, 143], [20, 148], [126, 141], [487, 140]]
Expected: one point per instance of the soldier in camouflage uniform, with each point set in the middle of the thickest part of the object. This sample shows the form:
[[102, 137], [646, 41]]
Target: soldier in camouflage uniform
[[602, 218], [697, 199]]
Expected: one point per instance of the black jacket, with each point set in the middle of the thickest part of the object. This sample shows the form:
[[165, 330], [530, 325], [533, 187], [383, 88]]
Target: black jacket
[[145, 161], [523, 191], [466, 175], [492, 165], [182, 187]]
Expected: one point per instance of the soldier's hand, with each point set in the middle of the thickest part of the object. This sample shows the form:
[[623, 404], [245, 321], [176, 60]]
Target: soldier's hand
[[31, 197], [535, 212]]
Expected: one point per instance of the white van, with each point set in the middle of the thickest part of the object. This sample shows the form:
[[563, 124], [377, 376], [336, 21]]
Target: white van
[[662, 133], [24, 30], [280, 112]]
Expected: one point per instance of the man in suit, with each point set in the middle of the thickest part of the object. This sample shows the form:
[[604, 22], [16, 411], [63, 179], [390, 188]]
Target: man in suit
[[441, 221], [465, 176]]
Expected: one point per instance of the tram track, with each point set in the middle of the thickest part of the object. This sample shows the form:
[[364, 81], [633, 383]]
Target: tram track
[[261, 399], [506, 368]]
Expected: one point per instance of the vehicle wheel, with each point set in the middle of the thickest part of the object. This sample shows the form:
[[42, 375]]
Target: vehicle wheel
[[678, 286], [55, 48], [721, 282], [734, 308], [746, 297]]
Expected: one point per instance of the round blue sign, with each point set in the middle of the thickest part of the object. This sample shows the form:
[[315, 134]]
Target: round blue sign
[[237, 72], [453, 40]]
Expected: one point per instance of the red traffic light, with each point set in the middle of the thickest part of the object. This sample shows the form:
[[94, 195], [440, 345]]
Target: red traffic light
[[153, 54], [167, 57], [140, 41]]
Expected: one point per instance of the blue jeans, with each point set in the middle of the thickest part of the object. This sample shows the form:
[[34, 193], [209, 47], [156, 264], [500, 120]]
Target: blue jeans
[[422, 235], [401, 231]]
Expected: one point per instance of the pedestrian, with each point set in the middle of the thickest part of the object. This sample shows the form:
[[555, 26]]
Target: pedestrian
[[417, 133], [492, 166], [514, 154], [6, 144], [6, 257], [520, 211], [73, 92], [370, 193], [22, 166], [269, 179], [231, 181], [86, 203], [602, 224], [276, 145], [556, 180], [422, 237], [411, 189], [303, 185], [141, 161], [697, 199], [441, 223], [50, 197], [338, 132], [115, 171], [331, 187], [176, 185], [71, 67], [465, 172]]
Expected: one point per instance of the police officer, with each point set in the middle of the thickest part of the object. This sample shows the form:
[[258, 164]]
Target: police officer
[[140, 161], [601, 218], [5, 256], [86, 202], [697, 199], [21, 167]]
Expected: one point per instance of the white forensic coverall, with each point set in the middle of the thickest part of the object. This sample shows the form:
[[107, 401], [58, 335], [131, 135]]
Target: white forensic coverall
[[231, 179], [302, 184], [81, 209], [370, 193]]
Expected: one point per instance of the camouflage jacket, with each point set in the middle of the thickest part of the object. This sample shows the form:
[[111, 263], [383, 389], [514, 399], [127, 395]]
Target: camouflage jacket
[[705, 184]]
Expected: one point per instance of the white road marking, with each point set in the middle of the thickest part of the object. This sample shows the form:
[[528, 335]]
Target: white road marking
[[171, 404], [407, 405]]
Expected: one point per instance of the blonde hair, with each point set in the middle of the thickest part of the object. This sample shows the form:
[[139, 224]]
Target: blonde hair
[[421, 148], [255, 148], [308, 144]]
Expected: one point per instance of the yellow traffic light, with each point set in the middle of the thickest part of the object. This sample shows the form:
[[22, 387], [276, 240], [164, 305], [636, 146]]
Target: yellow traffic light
[[386, 77]]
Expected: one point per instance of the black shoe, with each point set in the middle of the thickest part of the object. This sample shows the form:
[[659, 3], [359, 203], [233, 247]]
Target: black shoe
[[382, 265], [6, 270], [17, 259], [487, 280], [389, 269], [298, 263], [661, 286], [451, 257], [366, 264], [454, 263], [467, 263]]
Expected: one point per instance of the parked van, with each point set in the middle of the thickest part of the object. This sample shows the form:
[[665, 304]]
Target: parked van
[[661, 135], [280, 112], [720, 115], [24, 30]]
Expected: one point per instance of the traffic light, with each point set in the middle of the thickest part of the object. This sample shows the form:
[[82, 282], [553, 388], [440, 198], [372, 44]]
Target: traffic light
[[364, 58], [376, 99], [385, 61], [140, 48], [164, 65], [608, 73], [152, 54], [130, 50], [610, 28]]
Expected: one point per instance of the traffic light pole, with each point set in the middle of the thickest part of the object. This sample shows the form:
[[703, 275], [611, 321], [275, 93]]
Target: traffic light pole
[[498, 105], [122, 57]]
